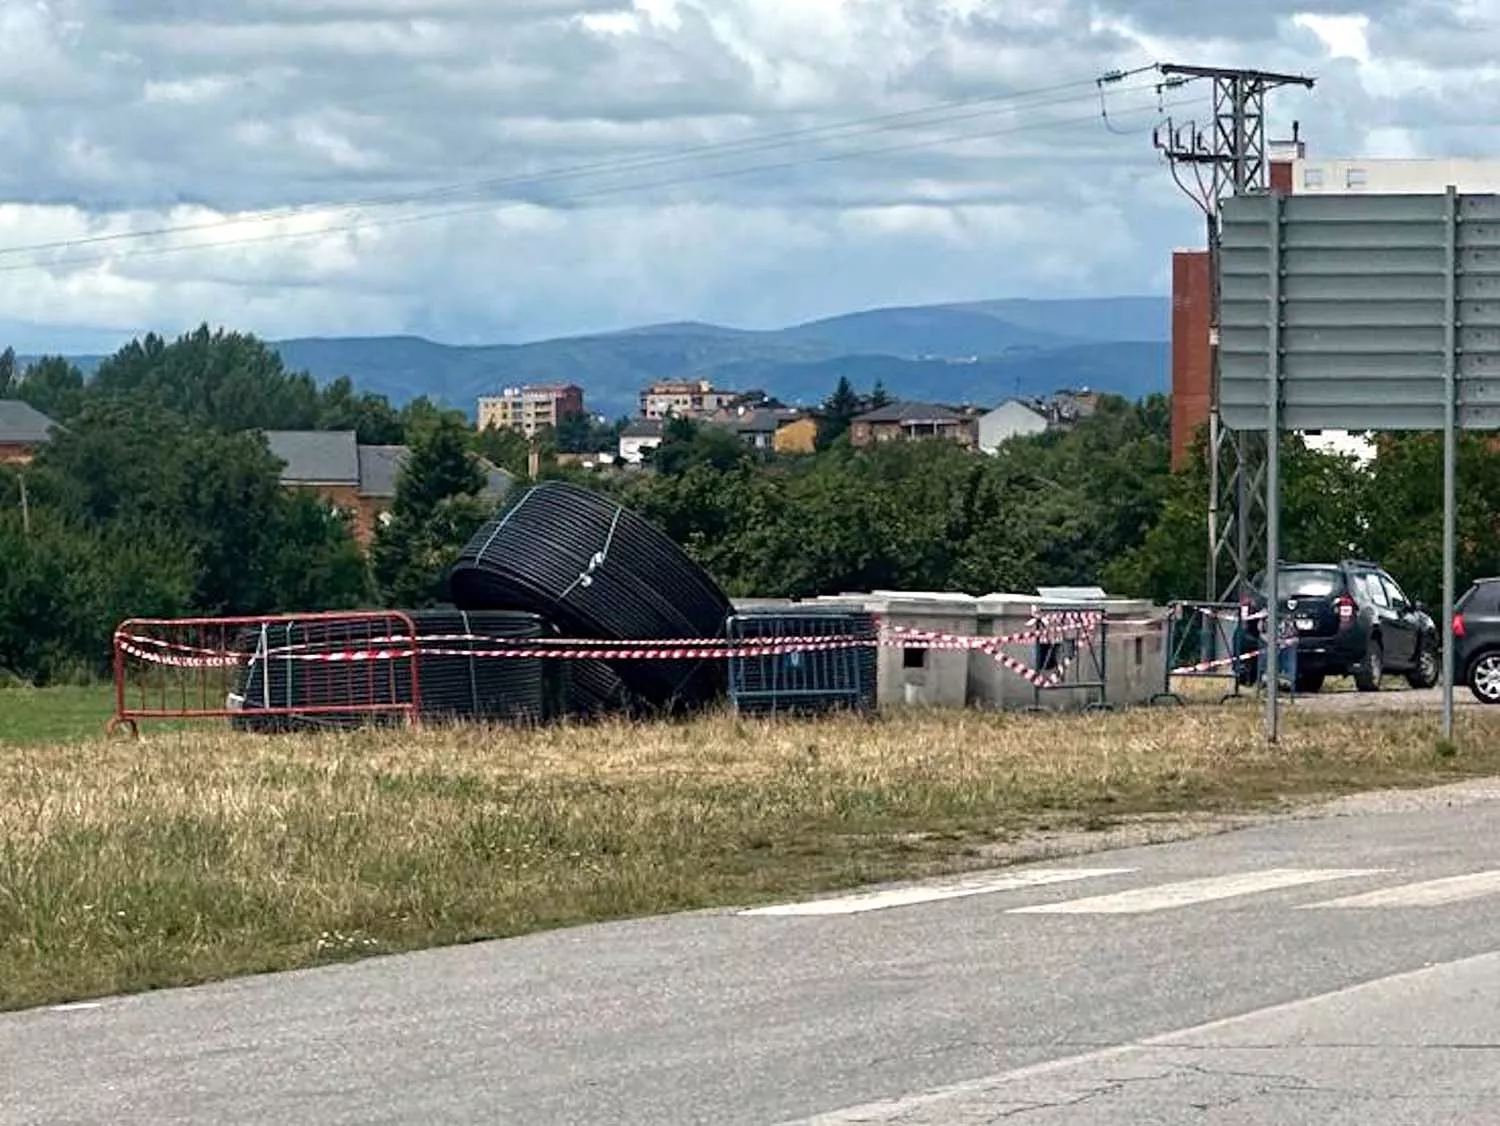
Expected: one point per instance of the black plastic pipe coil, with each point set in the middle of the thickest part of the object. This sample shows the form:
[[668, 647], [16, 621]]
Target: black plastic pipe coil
[[595, 569], [452, 685]]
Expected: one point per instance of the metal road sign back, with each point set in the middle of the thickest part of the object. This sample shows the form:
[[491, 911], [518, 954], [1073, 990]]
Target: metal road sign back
[[1380, 296]]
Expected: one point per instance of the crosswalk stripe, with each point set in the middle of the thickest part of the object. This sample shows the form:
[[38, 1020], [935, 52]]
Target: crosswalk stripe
[[927, 893], [1427, 893], [1163, 896]]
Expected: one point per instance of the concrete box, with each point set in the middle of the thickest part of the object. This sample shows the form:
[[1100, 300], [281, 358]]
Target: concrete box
[[1121, 663]]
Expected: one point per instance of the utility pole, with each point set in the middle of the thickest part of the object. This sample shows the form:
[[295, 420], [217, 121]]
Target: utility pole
[[1227, 156]]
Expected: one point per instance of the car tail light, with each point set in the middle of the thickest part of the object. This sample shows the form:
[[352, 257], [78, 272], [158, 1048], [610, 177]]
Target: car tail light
[[1458, 625], [1346, 611]]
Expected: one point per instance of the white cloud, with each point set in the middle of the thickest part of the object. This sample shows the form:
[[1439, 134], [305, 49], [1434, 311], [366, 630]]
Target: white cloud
[[562, 141], [1343, 36]]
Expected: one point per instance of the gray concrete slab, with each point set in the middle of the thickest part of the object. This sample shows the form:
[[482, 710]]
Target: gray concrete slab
[[1418, 1047]]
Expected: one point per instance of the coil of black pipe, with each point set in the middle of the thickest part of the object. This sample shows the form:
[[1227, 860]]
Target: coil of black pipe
[[596, 569], [457, 678]]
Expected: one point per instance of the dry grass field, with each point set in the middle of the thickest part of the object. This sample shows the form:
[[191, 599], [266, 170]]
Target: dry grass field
[[190, 856]]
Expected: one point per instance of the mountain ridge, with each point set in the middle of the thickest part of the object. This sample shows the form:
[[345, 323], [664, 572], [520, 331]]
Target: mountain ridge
[[965, 352]]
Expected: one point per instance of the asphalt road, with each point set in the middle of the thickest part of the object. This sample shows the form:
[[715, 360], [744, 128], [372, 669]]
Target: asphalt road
[[1328, 971]]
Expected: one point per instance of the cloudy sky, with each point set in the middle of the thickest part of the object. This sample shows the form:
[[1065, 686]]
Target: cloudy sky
[[493, 170]]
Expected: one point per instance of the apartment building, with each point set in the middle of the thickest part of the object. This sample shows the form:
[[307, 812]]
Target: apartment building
[[530, 408], [684, 398]]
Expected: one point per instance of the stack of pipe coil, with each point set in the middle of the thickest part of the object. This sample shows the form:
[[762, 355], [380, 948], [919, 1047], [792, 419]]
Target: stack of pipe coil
[[594, 569], [286, 684]]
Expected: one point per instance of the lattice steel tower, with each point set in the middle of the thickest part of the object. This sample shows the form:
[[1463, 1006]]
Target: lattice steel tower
[[1231, 150]]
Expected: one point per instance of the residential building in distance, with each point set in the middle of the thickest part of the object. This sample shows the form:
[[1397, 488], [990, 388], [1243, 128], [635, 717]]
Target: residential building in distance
[[23, 431], [796, 435], [638, 436], [356, 479], [907, 421], [778, 429], [531, 407], [1011, 419], [684, 398]]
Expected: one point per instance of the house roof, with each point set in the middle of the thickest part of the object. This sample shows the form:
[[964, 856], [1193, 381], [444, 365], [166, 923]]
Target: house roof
[[316, 457], [910, 412], [335, 457], [1011, 406], [21, 424], [642, 428], [378, 467], [756, 422]]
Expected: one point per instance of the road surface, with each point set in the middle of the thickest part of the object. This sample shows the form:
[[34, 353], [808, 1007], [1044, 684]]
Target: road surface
[[1330, 971]]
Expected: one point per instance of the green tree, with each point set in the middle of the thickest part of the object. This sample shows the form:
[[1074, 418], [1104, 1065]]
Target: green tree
[[505, 447], [64, 588], [53, 386], [575, 433], [372, 418], [839, 410], [436, 510], [229, 381], [216, 496]]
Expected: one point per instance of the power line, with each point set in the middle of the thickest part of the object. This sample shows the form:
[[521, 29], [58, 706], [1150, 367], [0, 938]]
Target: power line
[[860, 126], [573, 197]]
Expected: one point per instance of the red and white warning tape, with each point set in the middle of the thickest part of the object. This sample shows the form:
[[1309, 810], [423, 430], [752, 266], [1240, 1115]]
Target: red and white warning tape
[[159, 651], [1224, 662]]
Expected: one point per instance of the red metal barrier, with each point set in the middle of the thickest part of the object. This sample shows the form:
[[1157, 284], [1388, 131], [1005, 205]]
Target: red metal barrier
[[334, 668]]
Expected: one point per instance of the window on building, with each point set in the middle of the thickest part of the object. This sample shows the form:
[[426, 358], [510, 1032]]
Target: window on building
[[913, 657], [1312, 178], [1355, 178]]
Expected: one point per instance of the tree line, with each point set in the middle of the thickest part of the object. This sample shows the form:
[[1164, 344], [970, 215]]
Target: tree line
[[159, 497]]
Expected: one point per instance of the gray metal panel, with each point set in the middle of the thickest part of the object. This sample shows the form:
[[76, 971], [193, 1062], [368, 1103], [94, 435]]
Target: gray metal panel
[[1363, 312]]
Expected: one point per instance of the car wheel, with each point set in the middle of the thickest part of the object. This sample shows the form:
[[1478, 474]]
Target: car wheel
[[1369, 672], [1484, 677], [1429, 667], [1309, 683]]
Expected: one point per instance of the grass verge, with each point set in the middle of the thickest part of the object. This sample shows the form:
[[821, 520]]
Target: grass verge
[[183, 858], [54, 715]]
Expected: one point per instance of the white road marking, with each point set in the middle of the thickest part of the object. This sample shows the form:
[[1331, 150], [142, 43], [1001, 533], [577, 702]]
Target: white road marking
[[1163, 896], [1428, 893], [76, 1006], [928, 893], [909, 1106]]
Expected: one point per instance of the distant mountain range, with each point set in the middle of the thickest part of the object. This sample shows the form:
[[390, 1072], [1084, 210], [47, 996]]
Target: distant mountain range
[[979, 352]]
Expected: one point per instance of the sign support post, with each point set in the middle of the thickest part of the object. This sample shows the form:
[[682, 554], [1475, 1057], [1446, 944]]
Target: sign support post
[[1271, 664], [1450, 448]]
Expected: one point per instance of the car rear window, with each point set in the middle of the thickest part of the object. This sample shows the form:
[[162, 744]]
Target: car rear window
[[1311, 582], [1481, 598]]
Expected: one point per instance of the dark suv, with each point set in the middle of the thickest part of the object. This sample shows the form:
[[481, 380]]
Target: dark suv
[[1350, 619], [1476, 637]]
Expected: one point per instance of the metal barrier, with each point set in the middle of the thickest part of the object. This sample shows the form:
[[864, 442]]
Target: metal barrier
[[266, 672], [1206, 641], [1209, 641], [1072, 655], [839, 673]]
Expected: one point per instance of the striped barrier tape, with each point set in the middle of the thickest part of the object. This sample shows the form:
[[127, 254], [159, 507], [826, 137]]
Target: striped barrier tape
[[1084, 618], [1224, 662], [158, 651]]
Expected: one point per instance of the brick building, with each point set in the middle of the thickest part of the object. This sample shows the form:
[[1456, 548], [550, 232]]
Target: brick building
[[903, 422], [357, 479]]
